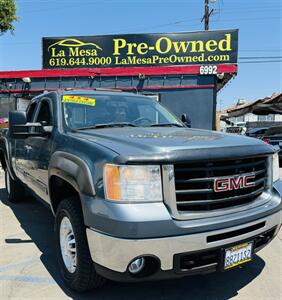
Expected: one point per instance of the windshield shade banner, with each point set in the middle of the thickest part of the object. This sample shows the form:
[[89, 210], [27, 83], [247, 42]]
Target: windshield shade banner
[[133, 50]]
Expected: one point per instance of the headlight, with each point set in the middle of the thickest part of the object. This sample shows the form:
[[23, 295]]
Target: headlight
[[133, 183], [275, 168]]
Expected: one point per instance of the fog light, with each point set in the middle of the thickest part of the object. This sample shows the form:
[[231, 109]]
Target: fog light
[[137, 265]]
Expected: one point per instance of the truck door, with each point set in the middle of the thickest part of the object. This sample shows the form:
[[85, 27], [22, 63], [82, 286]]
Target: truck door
[[19, 154], [39, 150]]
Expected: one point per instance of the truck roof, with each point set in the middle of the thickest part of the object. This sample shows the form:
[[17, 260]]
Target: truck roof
[[92, 91]]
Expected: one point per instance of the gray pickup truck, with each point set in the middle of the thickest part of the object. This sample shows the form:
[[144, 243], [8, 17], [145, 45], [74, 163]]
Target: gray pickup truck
[[135, 193]]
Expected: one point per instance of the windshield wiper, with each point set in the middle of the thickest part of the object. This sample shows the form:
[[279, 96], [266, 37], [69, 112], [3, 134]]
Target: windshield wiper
[[166, 125], [121, 124]]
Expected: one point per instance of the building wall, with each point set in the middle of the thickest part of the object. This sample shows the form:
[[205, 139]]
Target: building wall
[[191, 94], [196, 103], [254, 118], [7, 103]]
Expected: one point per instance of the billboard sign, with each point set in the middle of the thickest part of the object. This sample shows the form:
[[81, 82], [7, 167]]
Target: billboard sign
[[136, 50]]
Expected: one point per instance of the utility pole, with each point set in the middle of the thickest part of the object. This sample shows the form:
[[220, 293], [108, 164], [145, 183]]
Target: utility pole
[[207, 14]]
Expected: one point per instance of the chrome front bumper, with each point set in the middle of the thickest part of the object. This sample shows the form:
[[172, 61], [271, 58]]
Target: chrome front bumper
[[116, 254]]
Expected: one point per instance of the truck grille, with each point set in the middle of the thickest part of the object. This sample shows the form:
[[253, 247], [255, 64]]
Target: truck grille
[[194, 183]]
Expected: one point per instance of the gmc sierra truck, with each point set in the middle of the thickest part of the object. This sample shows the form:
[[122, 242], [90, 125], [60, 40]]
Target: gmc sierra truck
[[136, 194]]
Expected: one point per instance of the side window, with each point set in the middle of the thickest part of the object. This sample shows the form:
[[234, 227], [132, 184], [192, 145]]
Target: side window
[[30, 112], [44, 114]]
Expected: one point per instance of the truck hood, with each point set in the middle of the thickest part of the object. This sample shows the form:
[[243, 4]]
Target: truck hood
[[172, 143]]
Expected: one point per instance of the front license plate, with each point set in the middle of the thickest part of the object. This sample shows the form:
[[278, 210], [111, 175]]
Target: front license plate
[[238, 255]]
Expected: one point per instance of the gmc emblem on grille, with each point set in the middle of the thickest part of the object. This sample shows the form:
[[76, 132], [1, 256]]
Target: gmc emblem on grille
[[224, 184]]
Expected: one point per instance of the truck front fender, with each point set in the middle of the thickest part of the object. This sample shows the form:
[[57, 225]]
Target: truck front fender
[[72, 169]]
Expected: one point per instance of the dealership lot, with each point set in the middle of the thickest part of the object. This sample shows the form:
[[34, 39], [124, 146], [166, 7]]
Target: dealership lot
[[28, 266]]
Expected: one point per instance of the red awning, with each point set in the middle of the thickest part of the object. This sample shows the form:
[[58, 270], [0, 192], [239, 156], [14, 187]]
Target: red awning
[[170, 70]]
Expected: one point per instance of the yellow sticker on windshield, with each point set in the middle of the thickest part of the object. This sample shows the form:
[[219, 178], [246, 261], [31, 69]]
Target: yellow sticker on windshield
[[79, 100]]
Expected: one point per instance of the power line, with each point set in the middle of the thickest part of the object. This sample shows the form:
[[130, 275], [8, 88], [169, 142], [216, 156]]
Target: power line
[[168, 24], [260, 62], [244, 7], [238, 19], [248, 19], [259, 57], [250, 9], [261, 50]]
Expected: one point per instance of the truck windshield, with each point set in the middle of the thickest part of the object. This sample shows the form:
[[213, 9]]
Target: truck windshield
[[90, 110]]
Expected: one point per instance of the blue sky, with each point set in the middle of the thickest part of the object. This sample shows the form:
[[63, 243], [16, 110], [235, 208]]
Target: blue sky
[[259, 23]]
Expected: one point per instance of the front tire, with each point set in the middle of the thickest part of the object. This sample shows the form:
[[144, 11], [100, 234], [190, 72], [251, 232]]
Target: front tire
[[14, 189], [76, 265]]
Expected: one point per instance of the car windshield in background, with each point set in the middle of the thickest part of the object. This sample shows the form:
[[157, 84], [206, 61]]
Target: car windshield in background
[[98, 111]]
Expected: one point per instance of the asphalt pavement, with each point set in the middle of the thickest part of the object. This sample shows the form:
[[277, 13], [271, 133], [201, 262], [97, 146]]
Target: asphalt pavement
[[28, 268]]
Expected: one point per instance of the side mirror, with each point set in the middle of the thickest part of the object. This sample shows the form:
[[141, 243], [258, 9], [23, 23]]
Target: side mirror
[[17, 120], [186, 120], [19, 128]]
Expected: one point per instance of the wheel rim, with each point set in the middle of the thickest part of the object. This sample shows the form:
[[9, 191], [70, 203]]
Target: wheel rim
[[8, 183], [68, 245]]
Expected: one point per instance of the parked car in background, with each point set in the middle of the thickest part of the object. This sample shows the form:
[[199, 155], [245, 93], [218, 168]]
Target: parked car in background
[[256, 132], [273, 136]]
